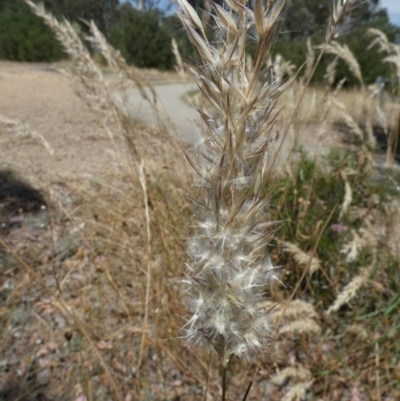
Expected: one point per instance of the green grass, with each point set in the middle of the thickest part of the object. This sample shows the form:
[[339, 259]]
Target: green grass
[[304, 201]]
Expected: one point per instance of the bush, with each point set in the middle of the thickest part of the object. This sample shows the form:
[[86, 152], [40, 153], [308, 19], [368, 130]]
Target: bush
[[142, 39], [24, 37]]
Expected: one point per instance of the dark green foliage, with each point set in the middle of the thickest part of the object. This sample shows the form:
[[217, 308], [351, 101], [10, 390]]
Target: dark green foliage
[[187, 50], [143, 39], [104, 13], [309, 19], [370, 60], [23, 36]]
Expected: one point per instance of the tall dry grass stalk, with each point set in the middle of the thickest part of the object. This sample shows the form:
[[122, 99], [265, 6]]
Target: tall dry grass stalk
[[393, 57], [301, 257], [92, 87], [130, 77], [351, 289], [310, 59], [338, 24], [365, 133], [346, 54], [229, 267], [107, 97], [179, 67], [384, 46]]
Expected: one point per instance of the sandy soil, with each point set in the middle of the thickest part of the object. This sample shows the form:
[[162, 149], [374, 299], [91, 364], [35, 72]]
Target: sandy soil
[[44, 99]]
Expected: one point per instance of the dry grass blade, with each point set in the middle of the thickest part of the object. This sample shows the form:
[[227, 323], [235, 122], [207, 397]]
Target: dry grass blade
[[340, 17], [349, 120], [393, 49], [142, 180], [282, 314], [179, 64], [190, 16], [128, 73], [298, 308], [297, 392], [305, 325], [301, 257], [310, 60], [283, 68], [330, 73], [22, 130], [351, 289], [294, 317], [339, 12], [131, 77], [346, 55], [94, 88], [380, 39], [297, 373], [348, 198]]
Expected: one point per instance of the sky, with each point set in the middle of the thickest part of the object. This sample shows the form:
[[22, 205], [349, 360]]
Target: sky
[[393, 8]]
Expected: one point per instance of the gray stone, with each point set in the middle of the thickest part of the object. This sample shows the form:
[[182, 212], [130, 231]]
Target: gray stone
[[43, 377]]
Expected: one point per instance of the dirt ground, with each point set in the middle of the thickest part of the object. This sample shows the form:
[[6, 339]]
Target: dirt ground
[[41, 355], [44, 99]]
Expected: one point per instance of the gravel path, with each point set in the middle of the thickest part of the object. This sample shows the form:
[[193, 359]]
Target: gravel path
[[181, 114], [170, 101]]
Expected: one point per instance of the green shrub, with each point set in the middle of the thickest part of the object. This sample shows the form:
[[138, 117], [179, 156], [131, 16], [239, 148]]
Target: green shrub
[[143, 40], [24, 37]]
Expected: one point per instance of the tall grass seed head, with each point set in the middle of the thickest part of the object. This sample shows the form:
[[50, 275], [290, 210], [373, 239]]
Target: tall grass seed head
[[229, 269]]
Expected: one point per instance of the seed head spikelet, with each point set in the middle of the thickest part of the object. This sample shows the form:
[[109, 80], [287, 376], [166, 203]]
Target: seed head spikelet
[[392, 49], [229, 268]]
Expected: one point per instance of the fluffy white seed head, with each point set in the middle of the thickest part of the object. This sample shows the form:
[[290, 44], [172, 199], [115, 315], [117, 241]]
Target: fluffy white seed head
[[229, 270]]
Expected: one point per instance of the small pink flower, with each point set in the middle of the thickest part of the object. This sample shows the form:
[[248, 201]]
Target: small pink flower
[[339, 228]]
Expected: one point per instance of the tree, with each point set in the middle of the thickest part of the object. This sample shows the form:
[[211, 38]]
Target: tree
[[143, 39], [104, 13], [24, 36], [309, 19]]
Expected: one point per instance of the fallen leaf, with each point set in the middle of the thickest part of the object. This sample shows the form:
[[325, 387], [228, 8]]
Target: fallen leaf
[[118, 366], [103, 345]]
